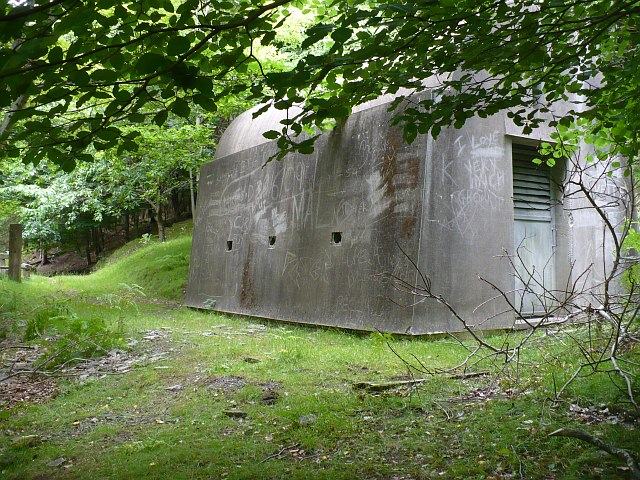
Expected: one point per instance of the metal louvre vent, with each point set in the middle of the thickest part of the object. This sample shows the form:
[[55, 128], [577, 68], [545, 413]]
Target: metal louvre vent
[[531, 185]]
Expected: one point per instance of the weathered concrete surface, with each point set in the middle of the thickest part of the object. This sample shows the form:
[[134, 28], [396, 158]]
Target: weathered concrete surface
[[363, 184], [466, 224], [305, 239]]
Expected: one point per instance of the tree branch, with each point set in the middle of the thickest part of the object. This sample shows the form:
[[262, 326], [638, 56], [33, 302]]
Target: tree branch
[[26, 12], [620, 453]]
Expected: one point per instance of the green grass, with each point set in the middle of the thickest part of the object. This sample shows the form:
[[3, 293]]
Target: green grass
[[161, 269], [165, 418]]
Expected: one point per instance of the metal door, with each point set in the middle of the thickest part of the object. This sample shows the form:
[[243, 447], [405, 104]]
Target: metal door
[[534, 233]]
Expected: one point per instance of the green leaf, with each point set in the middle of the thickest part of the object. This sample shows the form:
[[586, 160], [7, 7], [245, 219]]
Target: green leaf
[[117, 61], [205, 102], [80, 78], [160, 117], [268, 37], [271, 134], [67, 164], [167, 93], [137, 117], [185, 76], [108, 134], [315, 34], [5, 98], [123, 96], [150, 63], [168, 6], [104, 76], [305, 149], [410, 133], [341, 35], [55, 55], [178, 45], [181, 108]]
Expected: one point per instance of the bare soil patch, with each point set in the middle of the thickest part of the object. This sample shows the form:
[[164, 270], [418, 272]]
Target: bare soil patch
[[21, 381]]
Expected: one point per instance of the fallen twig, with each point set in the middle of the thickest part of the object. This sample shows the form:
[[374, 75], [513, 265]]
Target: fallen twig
[[621, 453], [381, 386], [280, 452], [17, 347]]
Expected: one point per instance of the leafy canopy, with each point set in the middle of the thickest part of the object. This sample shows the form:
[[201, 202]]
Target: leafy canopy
[[72, 70], [477, 58], [55, 206]]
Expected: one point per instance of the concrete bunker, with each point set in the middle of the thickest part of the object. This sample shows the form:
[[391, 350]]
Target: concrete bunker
[[305, 239]]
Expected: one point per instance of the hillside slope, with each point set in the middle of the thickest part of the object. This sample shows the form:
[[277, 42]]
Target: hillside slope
[[159, 269]]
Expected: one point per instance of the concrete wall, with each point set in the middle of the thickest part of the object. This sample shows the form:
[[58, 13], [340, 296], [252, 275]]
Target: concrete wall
[[266, 236], [467, 212], [363, 183]]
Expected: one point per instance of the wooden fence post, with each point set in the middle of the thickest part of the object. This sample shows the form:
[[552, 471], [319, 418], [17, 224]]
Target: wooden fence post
[[15, 251]]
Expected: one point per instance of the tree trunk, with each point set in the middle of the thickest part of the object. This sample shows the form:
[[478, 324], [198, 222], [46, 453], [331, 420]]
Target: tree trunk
[[44, 258], [88, 249], [136, 224], [126, 227], [158, 213], [7, 121], [15, 251], [101, 235], [96, 242], [175, 206]]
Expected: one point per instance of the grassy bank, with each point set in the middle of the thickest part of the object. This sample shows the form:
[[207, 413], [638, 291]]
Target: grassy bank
[[183, 394]]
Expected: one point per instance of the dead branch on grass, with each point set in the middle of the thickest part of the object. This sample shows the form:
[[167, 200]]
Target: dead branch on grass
[[59, 370], [620, 453], [603, 309], [600, 320], [382, 386]]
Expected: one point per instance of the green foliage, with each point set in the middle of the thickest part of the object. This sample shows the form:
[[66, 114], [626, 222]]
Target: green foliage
[[145, 239], [158, 169], [74, 78], [8, 305], [475, 58], [125, 300], [53, 205], [71, 82], [381, 337], [62, 207], [155, 270], [67, 337], [631, 245], [9, 213], [60, 328]]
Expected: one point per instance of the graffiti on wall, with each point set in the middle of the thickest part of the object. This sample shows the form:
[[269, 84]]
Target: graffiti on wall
[[475, 171]]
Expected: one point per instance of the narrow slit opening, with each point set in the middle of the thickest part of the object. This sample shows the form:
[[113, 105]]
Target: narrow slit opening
[[272, 241], [229, 245]]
